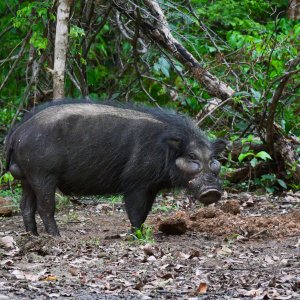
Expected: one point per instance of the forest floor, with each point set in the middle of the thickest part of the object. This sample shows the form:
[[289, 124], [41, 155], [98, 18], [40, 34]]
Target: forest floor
[[245, 247]]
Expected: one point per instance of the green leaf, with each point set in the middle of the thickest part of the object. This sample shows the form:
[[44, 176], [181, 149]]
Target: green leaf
[[165, 71], [253, 162], [39, 42], [7, 177], [263, 155], [282, 183], [270, 177], [256, 94], [76, 32], [242, 156]]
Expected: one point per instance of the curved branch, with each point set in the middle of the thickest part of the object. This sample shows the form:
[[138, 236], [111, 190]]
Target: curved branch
[[20, 55], [128, 34]]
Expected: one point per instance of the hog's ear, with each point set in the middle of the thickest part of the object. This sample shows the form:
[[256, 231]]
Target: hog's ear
[[174, 143], [219, 145]]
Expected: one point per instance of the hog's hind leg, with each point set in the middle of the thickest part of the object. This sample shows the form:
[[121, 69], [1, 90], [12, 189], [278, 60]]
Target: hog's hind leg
[[28, 207], [44, 189]]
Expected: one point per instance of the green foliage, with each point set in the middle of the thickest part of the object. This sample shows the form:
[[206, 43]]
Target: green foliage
[[234, 14], [61, 201], [13, 194], [271, 183], [114, 199], [247, 152], [32, 13], [144, 234], [76, 32], [162, 66], [6, 178], [38, 41], [32, 16], [262, 155]]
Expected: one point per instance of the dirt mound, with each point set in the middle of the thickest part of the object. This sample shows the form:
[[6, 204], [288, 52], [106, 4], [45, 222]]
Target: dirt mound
[[6, 206], [228, 222], [175, 225]]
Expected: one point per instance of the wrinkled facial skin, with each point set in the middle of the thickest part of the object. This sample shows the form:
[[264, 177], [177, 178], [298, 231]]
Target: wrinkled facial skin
[[206, 188], [204, 168]]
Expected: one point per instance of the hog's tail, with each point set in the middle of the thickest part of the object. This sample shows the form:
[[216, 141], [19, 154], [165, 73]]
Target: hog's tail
[[8, 150], [8, 159]]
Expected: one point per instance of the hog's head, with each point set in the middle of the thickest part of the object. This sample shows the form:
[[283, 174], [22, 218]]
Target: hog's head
[[199, 162]]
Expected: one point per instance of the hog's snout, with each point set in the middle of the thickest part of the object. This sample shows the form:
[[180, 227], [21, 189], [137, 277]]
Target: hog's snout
[[206, 188], [210, 196]]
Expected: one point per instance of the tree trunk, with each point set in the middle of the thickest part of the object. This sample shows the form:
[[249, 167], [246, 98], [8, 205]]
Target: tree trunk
[[294, 10], [61, 46]]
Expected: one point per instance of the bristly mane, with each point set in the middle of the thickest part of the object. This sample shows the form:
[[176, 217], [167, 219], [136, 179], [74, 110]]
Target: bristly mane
[[165, 115]]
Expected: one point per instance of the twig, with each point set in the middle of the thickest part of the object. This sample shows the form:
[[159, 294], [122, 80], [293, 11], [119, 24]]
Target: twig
[[276, 97], [258, 233], [213, 110], [36, 69], [74, 80], [5, 31], [93, 37], [8, 59], [20, 55]]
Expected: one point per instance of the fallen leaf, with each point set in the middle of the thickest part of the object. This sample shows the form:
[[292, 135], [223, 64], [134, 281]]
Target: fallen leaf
[[202, 288], [148, 249], [8, 242], [252, 293], [7, 262], [73, 271], [224, 251], [19, 274], [166, 276], [151, 258], [178, 267], [50, 278], [268, 259], [183, 256]]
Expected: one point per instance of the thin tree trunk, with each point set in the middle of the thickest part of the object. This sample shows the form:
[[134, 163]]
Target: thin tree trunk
[[61, 47]]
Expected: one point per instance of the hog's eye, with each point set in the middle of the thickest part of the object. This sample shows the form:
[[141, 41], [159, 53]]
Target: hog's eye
[[192, 156], [215, 166]]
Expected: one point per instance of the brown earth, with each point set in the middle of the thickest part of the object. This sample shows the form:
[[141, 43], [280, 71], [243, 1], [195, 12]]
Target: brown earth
[[6, 209], [246, 247]]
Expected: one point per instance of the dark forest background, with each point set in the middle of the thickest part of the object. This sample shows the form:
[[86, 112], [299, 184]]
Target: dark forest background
[[233, 65]]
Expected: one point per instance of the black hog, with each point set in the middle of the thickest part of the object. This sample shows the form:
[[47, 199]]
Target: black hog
[[97, 149]]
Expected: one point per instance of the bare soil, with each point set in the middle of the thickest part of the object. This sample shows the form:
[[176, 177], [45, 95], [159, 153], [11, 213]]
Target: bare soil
[[245, 247]]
